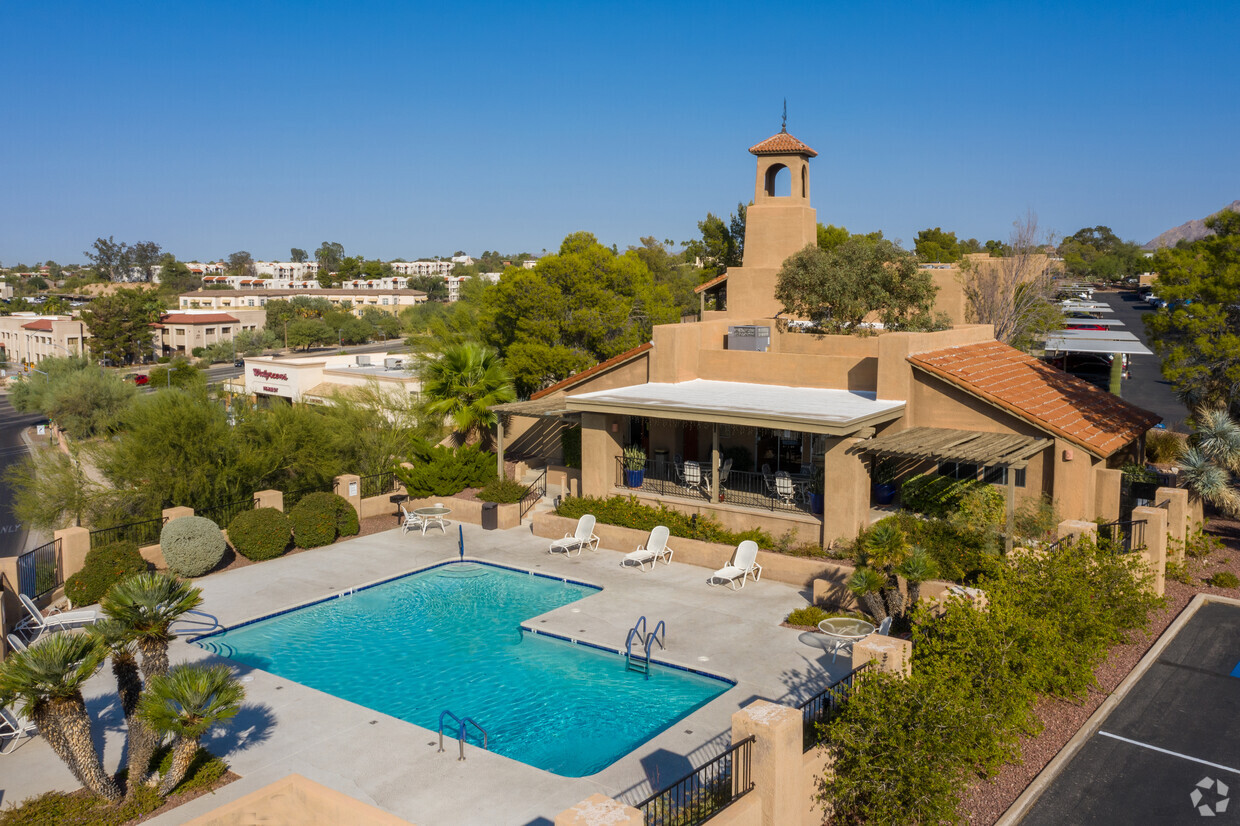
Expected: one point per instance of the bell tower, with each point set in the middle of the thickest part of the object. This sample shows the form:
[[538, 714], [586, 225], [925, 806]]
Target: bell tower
[[780, 222]]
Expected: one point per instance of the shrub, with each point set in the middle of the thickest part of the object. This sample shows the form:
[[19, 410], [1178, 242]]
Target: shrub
[[627, 512], [934, 495], [1037, 519], [960, 553], [1162, 446], [442, 471], [192, 545], [503, 491], [104, 567], [1224, 579], [262, 533], [321, 517], [981, 508], [812, 615]]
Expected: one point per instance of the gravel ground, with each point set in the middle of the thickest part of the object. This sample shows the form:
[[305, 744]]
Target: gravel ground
[[986, 800]]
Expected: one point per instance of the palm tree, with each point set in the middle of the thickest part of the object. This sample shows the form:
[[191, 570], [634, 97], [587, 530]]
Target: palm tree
[[118, 641], [148, 604], [48, 679], [462, 382], [188, 701], [885, 549], [917, 569], [865, 583]]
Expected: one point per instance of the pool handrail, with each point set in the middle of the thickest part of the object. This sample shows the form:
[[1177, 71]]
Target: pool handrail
[[460, 732]]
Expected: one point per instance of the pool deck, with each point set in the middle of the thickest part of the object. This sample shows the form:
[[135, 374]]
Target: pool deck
[[285, 727]]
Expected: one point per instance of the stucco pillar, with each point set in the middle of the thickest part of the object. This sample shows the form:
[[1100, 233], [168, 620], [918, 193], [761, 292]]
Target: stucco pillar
[[269, 499], [775, 758], [349, 486], [1107, 483], [1177, 519], [600, 445], [1155, 553], [10, 608], [600, 810], [499, 447], [1076, 527], [846, 491], [176, 513], [74, 546], [890, 654], [714, 462]]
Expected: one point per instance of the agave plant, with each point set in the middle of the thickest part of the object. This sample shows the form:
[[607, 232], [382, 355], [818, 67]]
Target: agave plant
[[1208, 481], [1217, 436], [916, 569], [187, 702], [147, 604], [865, 583], [118, 641], [48, 679]]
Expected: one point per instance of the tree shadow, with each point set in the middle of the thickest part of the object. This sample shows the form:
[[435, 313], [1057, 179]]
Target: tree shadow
[[251, 727]]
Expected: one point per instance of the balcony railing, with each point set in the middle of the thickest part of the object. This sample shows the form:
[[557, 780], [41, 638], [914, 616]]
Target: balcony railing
[[664, 477], [704, 792]]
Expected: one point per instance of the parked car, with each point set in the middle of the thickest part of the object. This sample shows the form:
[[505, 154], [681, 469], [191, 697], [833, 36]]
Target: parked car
[[138, 378], [239, 362]]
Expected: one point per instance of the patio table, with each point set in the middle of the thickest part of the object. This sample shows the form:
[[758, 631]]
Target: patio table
[[435, 515], [844, 631]]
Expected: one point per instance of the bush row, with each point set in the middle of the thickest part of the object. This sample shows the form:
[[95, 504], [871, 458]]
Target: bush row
[[907, 748], [627, 512]]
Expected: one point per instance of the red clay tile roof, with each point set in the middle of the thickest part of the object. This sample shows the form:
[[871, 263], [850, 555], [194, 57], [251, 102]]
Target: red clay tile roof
[[564, 384], [782, 144], [1047, 397], [719, 279], [43, 325], [198, 318]]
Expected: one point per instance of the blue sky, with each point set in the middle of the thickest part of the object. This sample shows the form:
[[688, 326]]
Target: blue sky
[[405, 129]]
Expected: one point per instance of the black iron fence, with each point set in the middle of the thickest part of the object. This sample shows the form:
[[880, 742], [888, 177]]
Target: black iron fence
[[536, 491], [378, 484], [292, 497], [692, 480], [38, 571], [820, 709], [224, 514], [1123, 536], [704, 792], [145, 532]]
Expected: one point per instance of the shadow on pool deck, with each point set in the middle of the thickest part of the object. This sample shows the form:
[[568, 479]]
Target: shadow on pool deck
[[286, 727]]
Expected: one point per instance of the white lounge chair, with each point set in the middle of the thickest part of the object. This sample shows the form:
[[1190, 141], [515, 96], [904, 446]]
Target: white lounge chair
[[14, 727], [35, 624], [583, 537], [412, 522], [15, 643], [884, 627], [744, 564], [654, 550]]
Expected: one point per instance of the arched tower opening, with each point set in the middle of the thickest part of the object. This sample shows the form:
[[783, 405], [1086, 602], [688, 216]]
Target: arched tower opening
[[778, 185]]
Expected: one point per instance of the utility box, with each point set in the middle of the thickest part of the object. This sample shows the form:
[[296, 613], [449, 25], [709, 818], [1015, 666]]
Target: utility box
[[749, 337], [490, 516], [363, 361], [392, 363]]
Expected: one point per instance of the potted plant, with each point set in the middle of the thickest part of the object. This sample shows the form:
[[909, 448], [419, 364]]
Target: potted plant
[[884, 478], [634, 466], [816, 499]]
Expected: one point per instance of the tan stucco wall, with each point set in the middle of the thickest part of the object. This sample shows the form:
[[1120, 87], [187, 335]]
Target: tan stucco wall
[[295, 799]]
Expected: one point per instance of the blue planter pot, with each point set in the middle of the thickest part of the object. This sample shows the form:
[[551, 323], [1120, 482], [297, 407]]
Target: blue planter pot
[[884, 494], [816, 502], [634, 478]]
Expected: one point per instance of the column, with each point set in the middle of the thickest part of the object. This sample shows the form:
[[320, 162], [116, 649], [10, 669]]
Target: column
[[776, 759]]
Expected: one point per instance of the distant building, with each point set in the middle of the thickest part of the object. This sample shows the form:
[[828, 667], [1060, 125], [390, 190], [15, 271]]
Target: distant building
[[181, 332], [316, 378], [388, 300], [29, 337]]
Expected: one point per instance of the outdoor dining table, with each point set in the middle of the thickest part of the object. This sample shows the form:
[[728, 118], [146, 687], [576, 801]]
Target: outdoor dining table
[[433, 515], [844, 631]]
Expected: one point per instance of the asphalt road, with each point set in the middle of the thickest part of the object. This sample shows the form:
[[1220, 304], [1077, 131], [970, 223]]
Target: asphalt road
[[12, 450], [1147, 388]]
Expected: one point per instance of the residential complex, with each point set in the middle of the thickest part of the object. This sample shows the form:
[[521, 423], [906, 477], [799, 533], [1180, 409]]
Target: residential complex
[[388, 300]]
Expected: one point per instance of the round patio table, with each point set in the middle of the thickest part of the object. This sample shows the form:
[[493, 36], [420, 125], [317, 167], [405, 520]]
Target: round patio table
[[844, 631], [433, 515]]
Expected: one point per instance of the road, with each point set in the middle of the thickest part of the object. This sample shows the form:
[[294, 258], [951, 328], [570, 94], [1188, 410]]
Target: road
[[1147, 388], [12, 450]]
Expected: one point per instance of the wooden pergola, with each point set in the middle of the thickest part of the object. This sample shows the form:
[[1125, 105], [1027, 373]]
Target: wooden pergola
[[970, 447], [551, 407]]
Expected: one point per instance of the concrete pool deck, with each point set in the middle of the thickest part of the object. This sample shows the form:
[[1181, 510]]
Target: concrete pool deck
[[286, 727]]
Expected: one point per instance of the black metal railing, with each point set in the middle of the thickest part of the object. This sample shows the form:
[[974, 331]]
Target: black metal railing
[[224, 514], [145, 532], [536, 491], [292, 497], [378, 484], [38, 571], [691, 480], [1123, 536], [822, 708], [704, 792]]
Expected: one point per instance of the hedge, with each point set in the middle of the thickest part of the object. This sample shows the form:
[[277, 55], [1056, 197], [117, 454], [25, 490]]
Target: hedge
[[934, 495], [442, 471], [262, 533], [321, 517], [627, 512], [503, 492], [104, 567], [192, 545]]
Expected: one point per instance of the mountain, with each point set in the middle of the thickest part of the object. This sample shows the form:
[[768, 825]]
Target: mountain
[[1192, 231]]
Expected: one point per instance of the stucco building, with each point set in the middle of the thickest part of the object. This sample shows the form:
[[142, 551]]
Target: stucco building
[[179, 333], [824, 409], [316, 379], [387, 300], [29, 337]]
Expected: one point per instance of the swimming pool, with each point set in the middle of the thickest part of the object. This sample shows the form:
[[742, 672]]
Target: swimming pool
[[450, 638]]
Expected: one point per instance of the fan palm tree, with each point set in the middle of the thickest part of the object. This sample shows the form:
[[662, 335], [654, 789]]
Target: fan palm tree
[[187, 702], [886, 547], [118, 640], [147, 604], [462, 382], [48, 679], [917, 569], [865, 583]]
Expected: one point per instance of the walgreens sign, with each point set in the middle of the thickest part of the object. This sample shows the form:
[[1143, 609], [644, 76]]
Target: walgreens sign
[[267, 374]]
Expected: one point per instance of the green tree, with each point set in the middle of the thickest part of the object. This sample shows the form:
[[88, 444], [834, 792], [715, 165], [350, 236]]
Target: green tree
[[145, 257], [241, 263], [937, 246], [146, 606], [329, 255], [462, 383], [1098, 253], [381, 322], [831, 236], [50, 489], [89, 403], [179, 373], [1210, 461], [187, 702], [718, 248], [839, 290], [309, 332], [434, 286], [110, 259], [118, 640], [120, 325], [298, 255]]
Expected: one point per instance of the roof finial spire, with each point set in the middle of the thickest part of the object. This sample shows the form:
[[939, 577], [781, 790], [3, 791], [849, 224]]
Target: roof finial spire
[[784, 127]]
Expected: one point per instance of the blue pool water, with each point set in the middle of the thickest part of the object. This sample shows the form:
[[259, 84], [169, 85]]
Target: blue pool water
[[450, 638]]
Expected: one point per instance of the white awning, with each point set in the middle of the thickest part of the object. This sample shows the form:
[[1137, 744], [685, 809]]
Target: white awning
[[779, 407], [1096, 345], [1097, 322], [1105, 335]]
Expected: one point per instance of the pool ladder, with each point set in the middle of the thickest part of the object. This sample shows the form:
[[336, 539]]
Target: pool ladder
[[461, 731], [637, 662]]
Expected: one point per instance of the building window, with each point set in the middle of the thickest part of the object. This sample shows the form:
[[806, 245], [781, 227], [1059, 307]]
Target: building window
[[210, 331], [385, 301], [957, 470], [226, 330], [995, 475], [251, 302]]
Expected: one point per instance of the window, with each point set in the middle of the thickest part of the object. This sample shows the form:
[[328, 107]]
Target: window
[[957, 470], [385, 301], [996, 475], [210, 331], [251, 302], [226, 330]]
